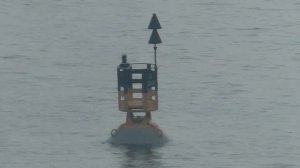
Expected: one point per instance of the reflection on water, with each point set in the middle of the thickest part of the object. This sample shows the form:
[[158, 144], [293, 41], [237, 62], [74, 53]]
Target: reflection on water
[[141, 156]]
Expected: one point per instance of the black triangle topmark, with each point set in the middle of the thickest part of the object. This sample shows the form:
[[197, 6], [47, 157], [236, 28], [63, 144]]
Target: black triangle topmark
[[154, 23]]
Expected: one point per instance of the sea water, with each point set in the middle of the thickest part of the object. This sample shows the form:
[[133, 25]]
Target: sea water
[[229, 82]]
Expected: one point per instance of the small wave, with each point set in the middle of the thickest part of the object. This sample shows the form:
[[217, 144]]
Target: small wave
[[15, 57], [68, 64], [249, 29]]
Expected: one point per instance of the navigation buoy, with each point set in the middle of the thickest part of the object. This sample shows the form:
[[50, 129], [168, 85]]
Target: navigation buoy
[[138, 98]]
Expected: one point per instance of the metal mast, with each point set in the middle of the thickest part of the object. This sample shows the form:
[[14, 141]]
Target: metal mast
[[154, 38]]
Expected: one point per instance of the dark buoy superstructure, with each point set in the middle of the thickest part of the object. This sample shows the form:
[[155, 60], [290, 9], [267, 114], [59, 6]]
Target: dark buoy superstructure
[[138, 98]]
